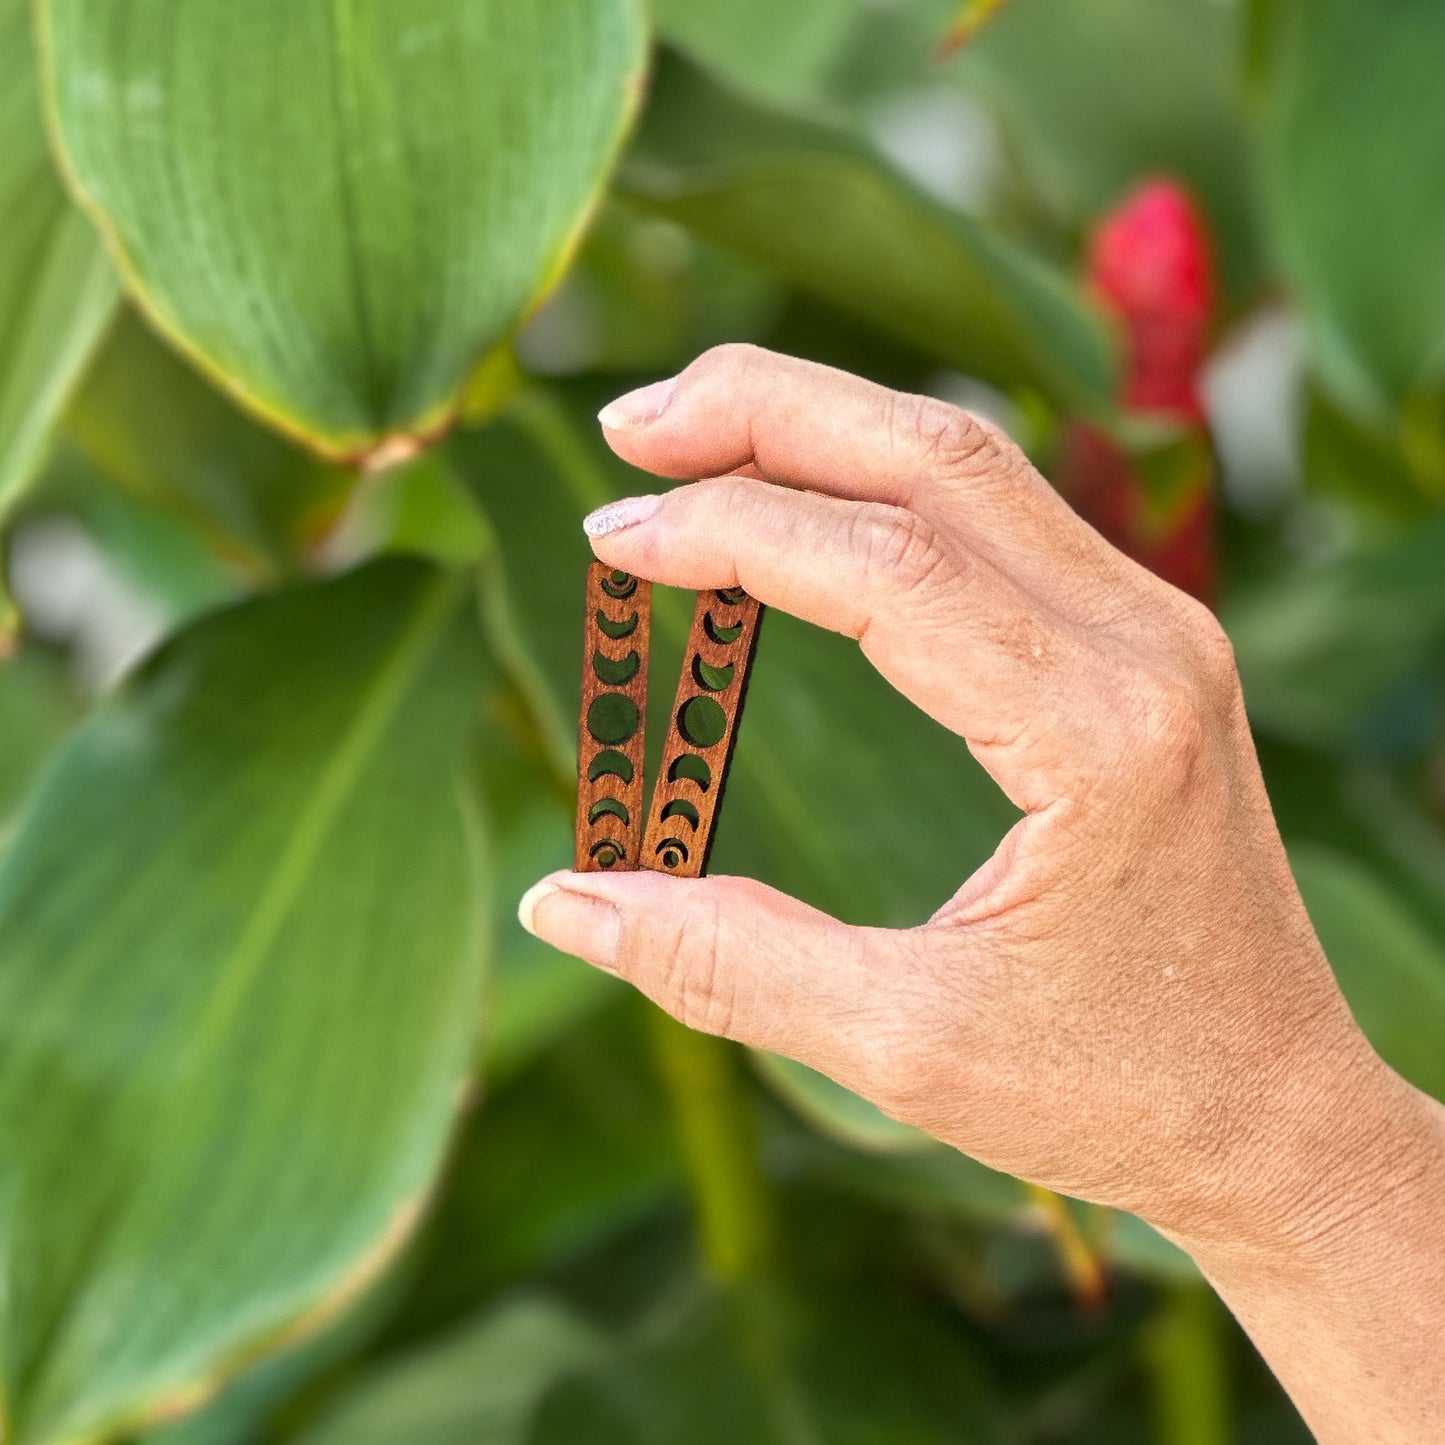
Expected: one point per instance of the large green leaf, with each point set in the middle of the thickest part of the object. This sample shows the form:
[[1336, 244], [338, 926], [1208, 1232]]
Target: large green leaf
[[1353, 141], [56, 287], [154, 428], [481, 1385], [239, 926], [341, 208], [825, 212]]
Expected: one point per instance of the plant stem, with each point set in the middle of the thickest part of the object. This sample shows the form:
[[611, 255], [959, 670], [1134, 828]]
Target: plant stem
[[1080, 1261], [1184, 1353], [718, 1132]]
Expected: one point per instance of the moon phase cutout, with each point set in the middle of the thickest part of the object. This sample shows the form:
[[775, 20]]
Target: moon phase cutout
[[610, 762], [691, 765], [614, 671], [615, 630]]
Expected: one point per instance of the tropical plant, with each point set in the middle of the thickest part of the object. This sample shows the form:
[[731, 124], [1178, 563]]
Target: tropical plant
[[301, 1138]]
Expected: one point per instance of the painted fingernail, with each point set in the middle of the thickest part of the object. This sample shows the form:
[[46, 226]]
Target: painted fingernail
[[639, 407], [627, 512], [589, 928]]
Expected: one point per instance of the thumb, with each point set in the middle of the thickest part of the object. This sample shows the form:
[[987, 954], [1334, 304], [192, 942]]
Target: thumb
[[728, 956]]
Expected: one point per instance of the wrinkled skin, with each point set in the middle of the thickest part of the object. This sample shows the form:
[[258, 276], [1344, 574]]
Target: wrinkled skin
[[1127, 1003]]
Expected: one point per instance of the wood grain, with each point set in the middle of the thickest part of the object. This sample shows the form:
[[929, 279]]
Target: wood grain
[[611, 731], [702, 732]]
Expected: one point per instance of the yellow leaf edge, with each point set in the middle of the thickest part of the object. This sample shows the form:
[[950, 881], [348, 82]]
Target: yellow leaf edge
[[366, 451]]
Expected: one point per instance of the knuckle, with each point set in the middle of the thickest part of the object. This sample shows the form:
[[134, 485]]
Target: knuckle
[[1212, 652], [1170, 721], [947, 441], [700, 993], [728, 359], [897, 550]]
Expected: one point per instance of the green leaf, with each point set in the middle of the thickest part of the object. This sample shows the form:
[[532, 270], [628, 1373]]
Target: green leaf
[[154, 428], [36, 708], [768, 1369], [826, 213], [1391, 970], [1344, 655], [577, 1151], [339, 209], [768, 49], [480, 1385], [57, 289], [1352, 137], [241, 971]]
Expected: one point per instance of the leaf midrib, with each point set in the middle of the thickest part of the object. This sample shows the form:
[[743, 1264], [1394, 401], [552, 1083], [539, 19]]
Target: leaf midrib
[[389, 684]]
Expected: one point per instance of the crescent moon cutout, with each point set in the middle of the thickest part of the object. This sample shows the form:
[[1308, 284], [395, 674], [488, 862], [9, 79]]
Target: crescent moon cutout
[[603, 806], [681, 808], [615, 630], [692, 766], [719, 634], [619, 585], [714, 679], [614, 671], [610, 762]]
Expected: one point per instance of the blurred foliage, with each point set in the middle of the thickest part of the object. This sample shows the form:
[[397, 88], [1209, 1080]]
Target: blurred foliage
[[265, 1178]]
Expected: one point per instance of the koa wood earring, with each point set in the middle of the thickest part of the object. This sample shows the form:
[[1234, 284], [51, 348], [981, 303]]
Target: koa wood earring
[[612, 730], [700, 737]]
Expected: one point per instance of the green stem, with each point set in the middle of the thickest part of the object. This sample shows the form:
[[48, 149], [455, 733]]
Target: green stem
[[1184, 1352], [718, 1131]]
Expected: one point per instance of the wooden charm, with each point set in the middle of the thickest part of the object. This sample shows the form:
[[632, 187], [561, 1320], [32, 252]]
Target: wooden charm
[[700, 737], [612, 729]]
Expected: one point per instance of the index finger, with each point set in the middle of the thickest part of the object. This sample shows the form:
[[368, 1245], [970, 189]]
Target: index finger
[[740, 408]]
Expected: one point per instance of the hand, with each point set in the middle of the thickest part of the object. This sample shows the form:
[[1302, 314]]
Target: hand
[[1127, 1003]]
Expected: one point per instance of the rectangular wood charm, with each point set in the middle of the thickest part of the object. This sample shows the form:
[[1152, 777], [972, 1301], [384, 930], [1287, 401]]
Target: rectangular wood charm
[[701, 733], [612, 729]]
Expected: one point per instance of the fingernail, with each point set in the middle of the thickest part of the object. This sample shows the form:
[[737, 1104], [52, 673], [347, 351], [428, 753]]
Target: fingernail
[[574, 922], [616, 515], [638, 407]]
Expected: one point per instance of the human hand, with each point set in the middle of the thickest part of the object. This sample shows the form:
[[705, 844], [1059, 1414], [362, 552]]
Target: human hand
[[1127, 1003]]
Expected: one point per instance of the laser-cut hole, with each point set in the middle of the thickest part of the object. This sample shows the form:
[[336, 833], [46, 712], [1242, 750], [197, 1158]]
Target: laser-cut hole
[[681, 808], [619, 585], [700, 720], [615, 670], [731, 595], [609, 762], [615, 806], [693, 767], [720, 634], [616, 630], [672, 851], [715, 679], [607, 852], [613, 717]]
